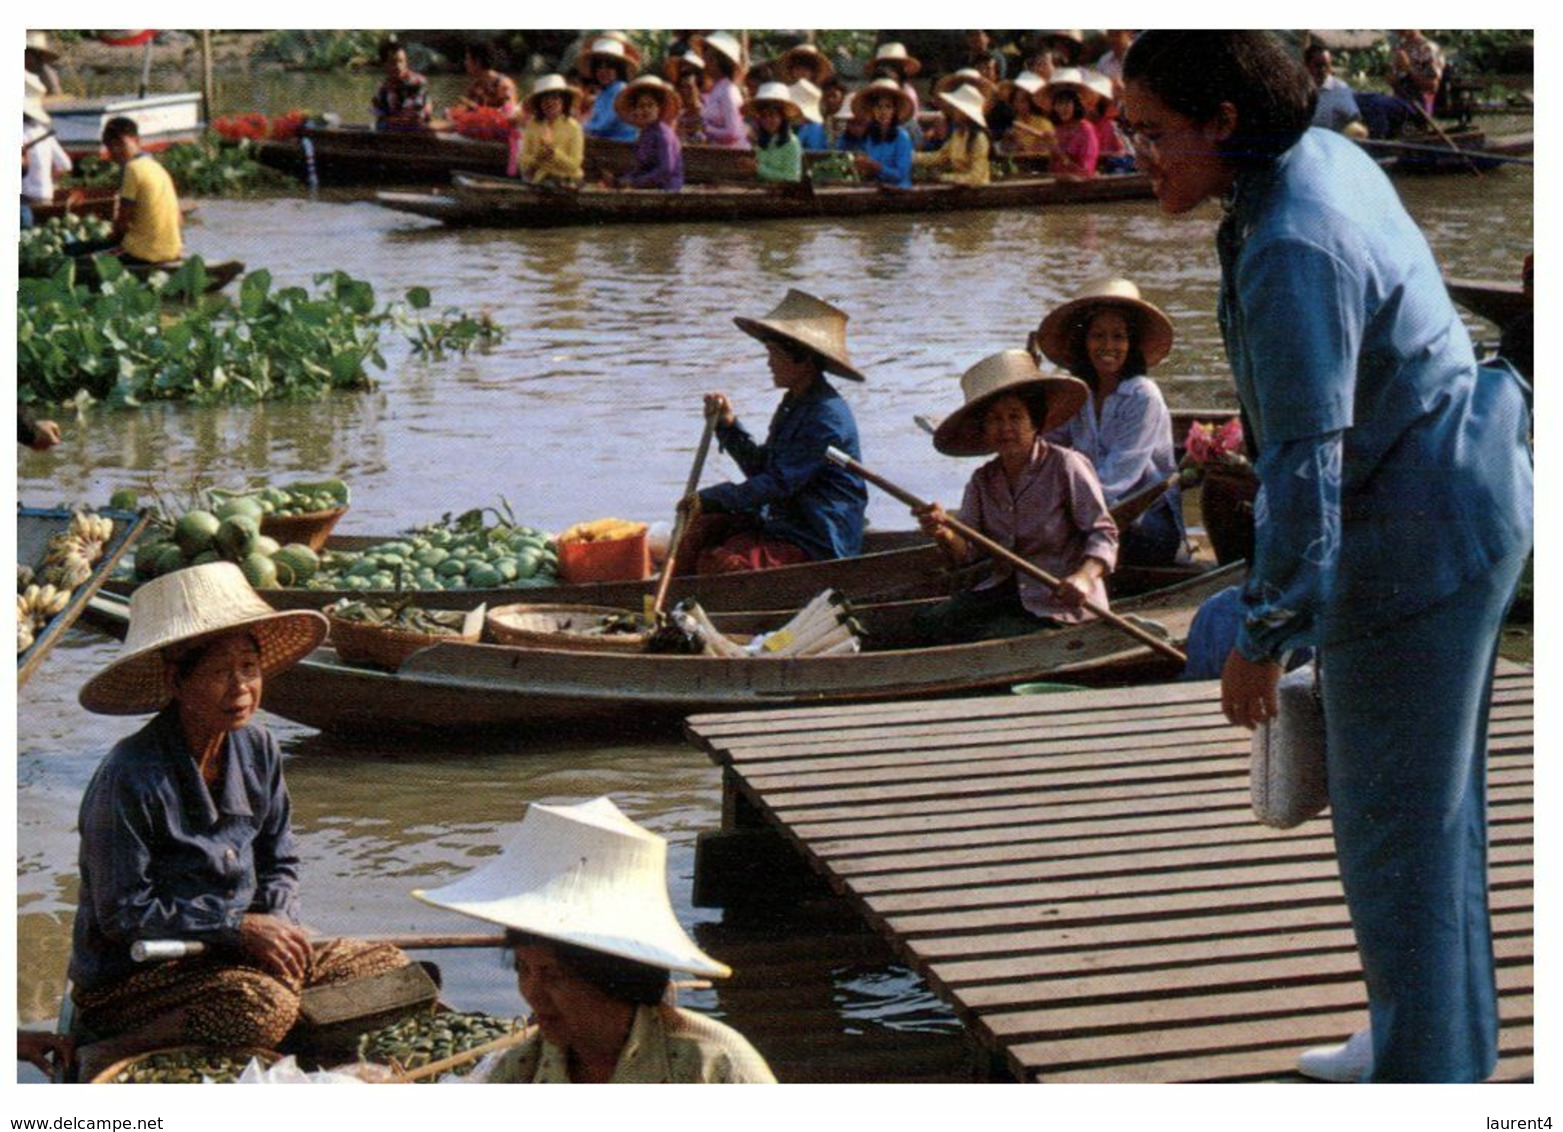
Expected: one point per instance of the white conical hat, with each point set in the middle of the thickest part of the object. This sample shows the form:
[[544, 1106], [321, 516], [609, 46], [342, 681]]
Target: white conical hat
[[967, 100], [778, 94], [585, 875], [807, 96]]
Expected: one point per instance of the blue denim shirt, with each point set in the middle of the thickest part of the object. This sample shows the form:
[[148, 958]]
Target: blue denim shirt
[[604, 121], [1392, 470], [163, 857], [800, 497]]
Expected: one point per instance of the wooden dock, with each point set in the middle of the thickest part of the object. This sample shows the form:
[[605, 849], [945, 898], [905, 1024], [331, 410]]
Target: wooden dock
[[1080, 876]]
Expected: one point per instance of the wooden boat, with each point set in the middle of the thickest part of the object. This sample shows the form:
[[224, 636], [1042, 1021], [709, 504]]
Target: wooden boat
[[101, 203], [1498, 303], [162, 119], [1431, 153], [362, 155], [501, 202], [477, 687]]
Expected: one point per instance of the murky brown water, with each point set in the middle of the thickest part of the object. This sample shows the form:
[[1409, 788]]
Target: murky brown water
[[591, 408]]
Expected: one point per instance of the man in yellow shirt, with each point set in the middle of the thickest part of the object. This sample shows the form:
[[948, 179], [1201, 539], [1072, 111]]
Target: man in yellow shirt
[[146, 228]]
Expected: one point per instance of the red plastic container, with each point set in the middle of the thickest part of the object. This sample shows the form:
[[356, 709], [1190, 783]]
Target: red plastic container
[[614, 560]]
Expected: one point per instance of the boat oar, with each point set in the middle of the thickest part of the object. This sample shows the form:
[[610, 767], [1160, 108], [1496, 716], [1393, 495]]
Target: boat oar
[[1384, 145], [1439, 130], [1131, 507], [681, 521], [841, 459]]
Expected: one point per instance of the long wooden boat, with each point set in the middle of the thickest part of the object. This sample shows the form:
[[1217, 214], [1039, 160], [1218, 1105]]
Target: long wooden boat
[[1431, 154], [102, 203], [365, 156], [477, 687], [501, 202], [1498, 303]]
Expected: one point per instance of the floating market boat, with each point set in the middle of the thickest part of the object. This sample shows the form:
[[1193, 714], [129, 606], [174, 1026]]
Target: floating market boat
[[100, 203], [502, 202], [479, 687], [161, 119], [1498, 303], [1461, 151]]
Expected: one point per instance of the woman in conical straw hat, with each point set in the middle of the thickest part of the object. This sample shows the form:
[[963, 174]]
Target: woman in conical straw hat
[[553, 145], [778, 154], [963, 159], [582, 894], [1110, 338], [811, 131], [891, 61], [884, 151], [185, 831], [723, 108], [652, 106], [1031, 130], [689, 80], [1042, 500], [1077, 146], [805, 61], [795, 505], [609, 63]]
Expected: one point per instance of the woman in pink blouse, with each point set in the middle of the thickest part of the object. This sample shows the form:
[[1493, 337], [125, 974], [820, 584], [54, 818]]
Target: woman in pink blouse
[[722, 111], [1040, 500], [1076, 144]]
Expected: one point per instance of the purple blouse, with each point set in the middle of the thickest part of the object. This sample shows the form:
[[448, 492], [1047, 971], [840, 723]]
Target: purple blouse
[[1055, 517], [659, 159]]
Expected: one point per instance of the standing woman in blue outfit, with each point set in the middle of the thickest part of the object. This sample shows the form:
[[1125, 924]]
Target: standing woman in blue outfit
[[884, 154], [1109, 337], [795, 505], [611, 65], [1393, 520]]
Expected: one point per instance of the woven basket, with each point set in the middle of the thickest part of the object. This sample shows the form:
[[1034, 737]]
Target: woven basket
[[312, 528], [1226, 504], [267, 1057], [382, 647], [546, 626]]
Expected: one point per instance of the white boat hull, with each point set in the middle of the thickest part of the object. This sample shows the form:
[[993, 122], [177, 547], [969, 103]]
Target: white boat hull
[[163, 119]]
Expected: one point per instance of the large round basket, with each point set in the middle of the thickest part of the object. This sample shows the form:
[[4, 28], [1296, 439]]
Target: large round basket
[[243, 1054], [1226, 503], [559, 627], [311, 528], [381, 647]]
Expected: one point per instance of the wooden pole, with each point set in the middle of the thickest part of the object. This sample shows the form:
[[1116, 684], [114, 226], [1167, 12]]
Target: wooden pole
[[681, 523], [840, 458], [1439, 130], [208, 81]]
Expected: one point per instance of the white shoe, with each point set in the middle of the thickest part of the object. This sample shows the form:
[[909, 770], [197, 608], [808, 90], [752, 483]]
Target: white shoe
[[1346, 1064]]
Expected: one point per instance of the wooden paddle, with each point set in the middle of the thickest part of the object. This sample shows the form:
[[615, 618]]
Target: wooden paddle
[[681, 520], [841, 459], [1439, 130]]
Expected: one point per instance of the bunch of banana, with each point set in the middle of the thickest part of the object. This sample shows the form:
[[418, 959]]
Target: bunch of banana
[[34, 607], [72, 554], [603, 530]]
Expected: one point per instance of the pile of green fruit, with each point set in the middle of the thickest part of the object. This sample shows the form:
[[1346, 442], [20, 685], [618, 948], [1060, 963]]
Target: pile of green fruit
[[231, 533], [42, 248], [184, 1067], [293, 499], [439, 558], [427, 1038]]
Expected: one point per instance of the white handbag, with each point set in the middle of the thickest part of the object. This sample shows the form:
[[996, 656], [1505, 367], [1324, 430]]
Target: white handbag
[[1286, 773]]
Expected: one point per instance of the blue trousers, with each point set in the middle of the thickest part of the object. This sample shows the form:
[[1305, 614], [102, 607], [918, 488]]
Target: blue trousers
[[1406, 716]]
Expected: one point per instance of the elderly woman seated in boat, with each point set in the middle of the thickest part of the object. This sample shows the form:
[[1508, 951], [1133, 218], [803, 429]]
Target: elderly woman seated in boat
[[402, 100], [653, 107], [486, 87], [185, 832], [778, 154], [553, 146], [610, 64], [582, 895], [795, 506], [885, 154], [963, 158], [1111, 338], [1037, 498]]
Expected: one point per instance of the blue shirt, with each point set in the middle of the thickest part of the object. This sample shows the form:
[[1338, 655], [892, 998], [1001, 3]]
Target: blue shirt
[[1392, 470], [811, 135], [604, 122], [894, 157], [799, 496], [164, 857], [1129, 444]]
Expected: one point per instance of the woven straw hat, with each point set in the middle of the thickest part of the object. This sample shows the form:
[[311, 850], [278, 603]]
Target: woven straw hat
[[1097, 83], [967, 100], [777, 94], [967, 76], [648, 84], [38, 41], [807, 96], [859, 101], [182, 608], [802, 320], [1032, 84], [693, 60], [551, 84], [608, 47], [895, 54], [807, 53], [723, 43], [1151, 329], [1071, 78], [584, 875], [1008, 371]]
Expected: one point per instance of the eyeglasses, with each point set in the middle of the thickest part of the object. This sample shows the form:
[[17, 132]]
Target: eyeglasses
[[220, 675]]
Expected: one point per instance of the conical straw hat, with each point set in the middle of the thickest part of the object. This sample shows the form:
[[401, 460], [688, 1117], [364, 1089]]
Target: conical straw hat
[[607, 47], [895, 54], [807, 97], [967, 100], [724, 43], [1008, 371], [1150, 328], [777, 94], [648, 84], [881, 87], [808, 54], [802, 320], [184, 607], [585, 875], [551, 84], [967, 76]]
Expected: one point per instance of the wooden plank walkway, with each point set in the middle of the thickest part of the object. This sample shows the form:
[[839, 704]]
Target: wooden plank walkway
[[1081, 878]]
